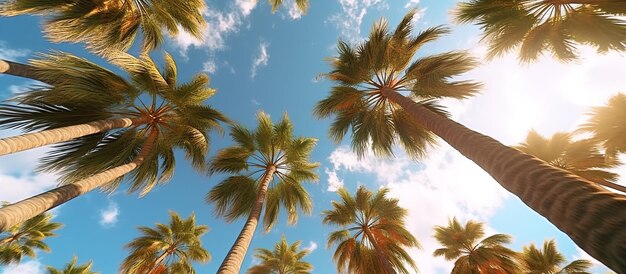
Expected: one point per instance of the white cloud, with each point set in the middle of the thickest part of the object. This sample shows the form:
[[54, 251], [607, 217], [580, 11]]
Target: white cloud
[[312, 246], [219, 26], [261, 59], [294, 12], [109, 216], [349, 20], [246, 6], [209, 66], [411, 3], [11, 54], [28, 267], [334, 183]]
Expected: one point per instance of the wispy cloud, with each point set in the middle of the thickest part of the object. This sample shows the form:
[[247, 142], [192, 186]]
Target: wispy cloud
[[9, 53], [334, 183], [261, 59], [246, 6], [349, 20], [312, 246], [411, 3], [109, 216], [27, 267], [209, 66]]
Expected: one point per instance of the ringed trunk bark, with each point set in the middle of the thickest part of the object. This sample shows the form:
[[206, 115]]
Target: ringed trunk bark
[[379, 253], [21, 70], [591, 216], [28, 208], [37, 139], [234, 258]]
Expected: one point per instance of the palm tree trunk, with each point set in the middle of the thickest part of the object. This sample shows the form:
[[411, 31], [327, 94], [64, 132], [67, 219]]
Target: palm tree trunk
[[28, 208], [234, 258], [591, 216], [37, 139], [17, 69], [157, 262], [379, 253], [611, 185]]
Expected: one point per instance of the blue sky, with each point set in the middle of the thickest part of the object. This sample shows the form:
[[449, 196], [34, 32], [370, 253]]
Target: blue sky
[[270, 62]]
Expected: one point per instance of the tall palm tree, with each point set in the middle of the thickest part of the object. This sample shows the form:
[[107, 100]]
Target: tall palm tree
[[608, 125], [580, 157], [367, 99], [284, 259], [472, 255], [72, 268], [537, 26], [167, 248], [112, 25], [22, 240], [176, 118], [372, 236], [548, 260], [303, 5], [18, 69], [268, 166]]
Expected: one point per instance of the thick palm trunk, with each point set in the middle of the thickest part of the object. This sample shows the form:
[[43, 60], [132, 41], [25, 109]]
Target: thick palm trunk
[[37, 139], [382, 258], [17, 69], [234, 258], [28, 208], [591, 216]]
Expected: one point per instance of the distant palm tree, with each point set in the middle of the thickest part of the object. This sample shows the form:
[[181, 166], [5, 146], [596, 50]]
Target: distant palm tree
[[281, 163], [284, 259], [581, 157], [608, 125], [548, 260], [168, 248], [72, 268], [112, 25], [473, 255], [22, 240], [372, 236], [536, 26], [382, 98], [303, 5], [176, 118]]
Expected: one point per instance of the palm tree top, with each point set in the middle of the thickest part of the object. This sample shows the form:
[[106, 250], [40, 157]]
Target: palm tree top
[[73, 268], [386, 61], [606, 124], [548, 260], [285, 258]]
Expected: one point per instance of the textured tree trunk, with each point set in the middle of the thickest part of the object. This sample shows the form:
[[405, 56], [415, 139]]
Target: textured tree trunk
[[17, 69], [37, 139], [156, 269], [382, 258], [234, 258], [611, 185], [28, 208], [594, 218]]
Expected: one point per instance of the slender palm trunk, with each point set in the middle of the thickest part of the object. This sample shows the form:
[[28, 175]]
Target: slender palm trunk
[[37, 139], [28, 208], [611, 185], [17, 69], [157, 262], [591, 216], [382, 258], [234, 258]]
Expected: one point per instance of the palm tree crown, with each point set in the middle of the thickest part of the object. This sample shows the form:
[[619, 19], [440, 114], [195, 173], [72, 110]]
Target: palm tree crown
[[112, 25], [383, 62], [302, 5], [548, 260], [167, 248], [372, 237], [608, 125], [22, 240], [556, 26], [284, 259], [461, 243], [72, 268]]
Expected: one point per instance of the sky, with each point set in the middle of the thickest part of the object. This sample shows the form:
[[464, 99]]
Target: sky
[[259, 61]]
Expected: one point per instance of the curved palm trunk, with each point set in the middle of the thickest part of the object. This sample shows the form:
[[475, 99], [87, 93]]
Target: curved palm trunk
[[37, 139], [28, 208], [234, 258], [17, 69], [382, 258], [591, 216], [611, 185]]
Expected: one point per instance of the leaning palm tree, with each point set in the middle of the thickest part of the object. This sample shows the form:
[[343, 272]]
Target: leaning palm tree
[[472, 255], [537, 26], [548, 260], [168, 248], [268, 165], [368, 100], [22, 240], [372, 237], [112, 25], [607, 124], [284, 259], [18, 69], [176, 118], [580, 157], [72, 268]]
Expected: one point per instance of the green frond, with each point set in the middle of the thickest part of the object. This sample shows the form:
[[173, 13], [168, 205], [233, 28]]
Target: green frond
[[233, 197]]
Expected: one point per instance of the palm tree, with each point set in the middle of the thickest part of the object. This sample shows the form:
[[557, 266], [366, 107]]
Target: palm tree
[[303, 5], [268, 167], [176, 118], [608, 125], [536, 26], [17, 69], [72, 268], [580, 157], [472, 255], [284, 259], [548, 260], [112, 25], [168, 248], [372, 236], [22, 240], [367, 99]]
